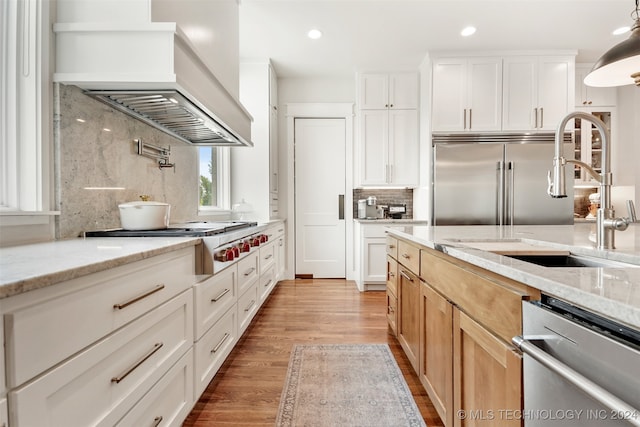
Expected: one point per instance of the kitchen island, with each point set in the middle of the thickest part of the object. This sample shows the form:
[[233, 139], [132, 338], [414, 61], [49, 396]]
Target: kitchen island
[[610, 292]]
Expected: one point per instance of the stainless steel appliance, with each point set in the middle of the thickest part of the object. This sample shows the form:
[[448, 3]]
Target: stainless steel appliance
[[496, 179], [579, 369], [223, 242]]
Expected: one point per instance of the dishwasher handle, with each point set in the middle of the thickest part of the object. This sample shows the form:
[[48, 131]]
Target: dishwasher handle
[[590, 388]]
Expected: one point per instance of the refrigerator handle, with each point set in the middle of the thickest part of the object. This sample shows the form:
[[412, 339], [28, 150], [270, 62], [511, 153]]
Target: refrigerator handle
[[512, 186], [500, 211]]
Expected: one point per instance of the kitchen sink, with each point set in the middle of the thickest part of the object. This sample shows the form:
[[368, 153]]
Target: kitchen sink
[[571, 260]]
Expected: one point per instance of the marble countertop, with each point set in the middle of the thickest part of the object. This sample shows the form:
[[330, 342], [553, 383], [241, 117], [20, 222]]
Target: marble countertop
[[29, 267], [610, 292], [391, 221]]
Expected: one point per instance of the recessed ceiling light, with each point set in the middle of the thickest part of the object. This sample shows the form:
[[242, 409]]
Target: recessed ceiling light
[[467, 31], [620, 30], [314, 34]]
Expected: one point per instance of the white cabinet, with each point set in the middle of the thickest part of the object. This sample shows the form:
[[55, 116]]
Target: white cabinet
[[467, 94], [382, 91], [538, 91], [276, 235], [213, 298], [4, 413], [589, 96], [388, 139], [254, 171]]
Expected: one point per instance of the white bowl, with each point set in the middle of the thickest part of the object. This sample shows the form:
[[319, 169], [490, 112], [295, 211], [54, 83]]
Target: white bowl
[[144, 215]]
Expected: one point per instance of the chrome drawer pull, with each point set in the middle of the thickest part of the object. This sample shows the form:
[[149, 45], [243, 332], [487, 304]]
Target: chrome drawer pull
[[156, 347], [268, 256], [268, 283], [250, 305], [216, 299], [138, 298], [224, 338], [249, 271], [156, 421], [405, 256], [406, 276]]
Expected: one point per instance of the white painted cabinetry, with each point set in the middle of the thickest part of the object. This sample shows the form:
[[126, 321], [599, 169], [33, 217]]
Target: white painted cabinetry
[[467, 94], [589, 96], [254, 171], [538, 91], [388, 140]]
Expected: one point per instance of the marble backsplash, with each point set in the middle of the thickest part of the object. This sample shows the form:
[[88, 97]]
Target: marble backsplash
[[97, 166]]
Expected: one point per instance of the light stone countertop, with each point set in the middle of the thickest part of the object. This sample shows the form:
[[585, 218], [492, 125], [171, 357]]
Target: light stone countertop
[[610, 292], [29, 267], [391, 221]]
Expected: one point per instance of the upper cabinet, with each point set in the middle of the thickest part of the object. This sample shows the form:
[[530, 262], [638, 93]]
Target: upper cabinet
[[382, 91], [388, 139], [467, 94], [538, 91], [589, 96]]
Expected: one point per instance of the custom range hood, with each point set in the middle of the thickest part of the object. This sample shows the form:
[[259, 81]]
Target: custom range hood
[[151, 71]]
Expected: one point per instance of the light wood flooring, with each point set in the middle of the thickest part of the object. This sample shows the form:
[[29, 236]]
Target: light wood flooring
[[246, 390]]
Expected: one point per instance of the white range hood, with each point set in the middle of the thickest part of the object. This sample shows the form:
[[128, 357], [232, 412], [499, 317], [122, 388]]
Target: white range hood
[[124, 64]]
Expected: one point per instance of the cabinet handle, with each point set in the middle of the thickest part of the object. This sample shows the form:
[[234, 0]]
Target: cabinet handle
[[138, 298], [268, 283], [156, 347], [465, 119], [391, 274], [470, 118], [157, 421], [541, 117], [392, 246], [250, 305], [391, 105], [223, 293], [405, 256], [406, 276], [391, 310], [217, 347], [249, 271], [535, 114], [268, 256]]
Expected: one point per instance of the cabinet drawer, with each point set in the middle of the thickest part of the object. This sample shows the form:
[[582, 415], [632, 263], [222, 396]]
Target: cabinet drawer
[[267, 256], [392, 276], [213, 348], [169, 401], [213, 298], [100, 304], [267, 283], [392, 247], [247, 307], [409, 256], [248, 269], [274, 232], [392, 312], [99, 385]]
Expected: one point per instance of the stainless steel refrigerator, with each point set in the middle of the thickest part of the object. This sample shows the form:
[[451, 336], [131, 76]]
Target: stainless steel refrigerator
[[497, 179]]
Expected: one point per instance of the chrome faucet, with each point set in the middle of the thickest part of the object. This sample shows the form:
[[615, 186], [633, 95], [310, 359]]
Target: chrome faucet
[[606, 223]]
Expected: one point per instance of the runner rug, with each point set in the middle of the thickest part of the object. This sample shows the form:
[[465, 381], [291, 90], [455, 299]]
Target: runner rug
[[346, 385]]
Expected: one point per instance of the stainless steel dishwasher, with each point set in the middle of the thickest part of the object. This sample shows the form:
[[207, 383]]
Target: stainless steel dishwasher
[[579, 369]]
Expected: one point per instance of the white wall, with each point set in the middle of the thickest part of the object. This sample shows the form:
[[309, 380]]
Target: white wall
[[626, 155]]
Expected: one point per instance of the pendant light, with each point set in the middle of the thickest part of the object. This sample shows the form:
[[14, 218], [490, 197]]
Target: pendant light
[[620, 65]]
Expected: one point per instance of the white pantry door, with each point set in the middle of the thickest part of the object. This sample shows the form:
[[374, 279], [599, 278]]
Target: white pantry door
[[320, 175]]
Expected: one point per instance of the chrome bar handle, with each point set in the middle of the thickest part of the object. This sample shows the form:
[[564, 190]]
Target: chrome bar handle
[[217, 347], [541, 117], [406, 276], [250, 305], [157, 421], [501, 193], [133, 300], [512, 183], [223, 293], [535, 115], [465, 119], [156, 347], [249, 271], [268, 283], [470, 118], [590, 388]]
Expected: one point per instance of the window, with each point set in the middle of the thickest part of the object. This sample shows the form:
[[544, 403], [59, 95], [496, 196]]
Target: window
[[213, 178]]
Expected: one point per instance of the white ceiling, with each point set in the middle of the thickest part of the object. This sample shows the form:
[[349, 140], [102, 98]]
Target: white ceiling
[[373, 35]]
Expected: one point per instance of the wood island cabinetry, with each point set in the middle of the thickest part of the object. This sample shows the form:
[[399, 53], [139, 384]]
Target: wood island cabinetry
[[455, 324]]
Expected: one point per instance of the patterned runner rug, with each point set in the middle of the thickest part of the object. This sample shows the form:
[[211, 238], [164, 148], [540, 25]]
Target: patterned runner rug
[[346, 385]]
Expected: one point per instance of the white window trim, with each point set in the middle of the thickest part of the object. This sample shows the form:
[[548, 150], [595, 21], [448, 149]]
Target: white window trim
[[223, 185]]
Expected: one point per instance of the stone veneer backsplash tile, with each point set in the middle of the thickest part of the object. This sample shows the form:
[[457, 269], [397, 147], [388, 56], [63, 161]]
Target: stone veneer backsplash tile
[[385, 197], [90, 156]]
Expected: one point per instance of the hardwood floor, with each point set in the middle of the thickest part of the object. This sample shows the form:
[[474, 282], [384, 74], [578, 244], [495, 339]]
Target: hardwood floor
[[246, 391]]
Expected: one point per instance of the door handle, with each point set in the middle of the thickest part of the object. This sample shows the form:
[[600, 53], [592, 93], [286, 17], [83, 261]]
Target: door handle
[[340, 206]]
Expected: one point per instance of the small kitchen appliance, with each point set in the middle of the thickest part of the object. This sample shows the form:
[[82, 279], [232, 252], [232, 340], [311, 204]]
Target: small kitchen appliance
[[362, 208], [397, 210], [372, 207]]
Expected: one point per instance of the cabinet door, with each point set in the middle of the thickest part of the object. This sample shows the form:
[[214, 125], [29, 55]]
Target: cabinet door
[[487, 376], [403, 91], [519, 94], [392, 312], [484, 94], [392, 276], [556, 76], [404, 148], [449, 94], [408, 318], [436, 351], [589, 96], [374, 92], [374, 142], [373, 255]]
